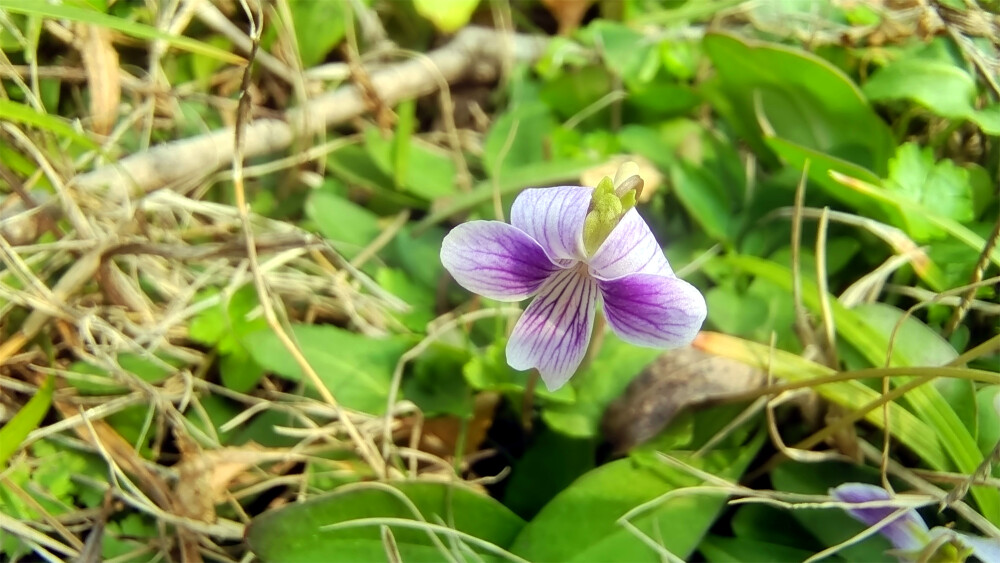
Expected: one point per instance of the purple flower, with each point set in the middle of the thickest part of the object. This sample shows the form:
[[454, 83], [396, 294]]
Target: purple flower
[[906, 530], [574, 247]]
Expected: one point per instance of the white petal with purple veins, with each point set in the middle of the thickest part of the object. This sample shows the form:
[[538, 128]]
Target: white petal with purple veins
[[651, 310], [907, 531], [631, 248], [495, 260], [553, 333], [554, 217]]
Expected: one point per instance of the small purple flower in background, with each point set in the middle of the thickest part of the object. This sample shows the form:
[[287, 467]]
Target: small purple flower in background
[[907, 532], [573, 247]]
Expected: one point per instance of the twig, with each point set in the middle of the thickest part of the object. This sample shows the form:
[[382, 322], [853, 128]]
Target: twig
[[475, 52]]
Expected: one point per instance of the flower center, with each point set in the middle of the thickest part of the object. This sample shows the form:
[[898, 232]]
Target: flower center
[[609, 203]]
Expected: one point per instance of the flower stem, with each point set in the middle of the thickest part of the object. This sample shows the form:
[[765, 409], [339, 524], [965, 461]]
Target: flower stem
[[528, 405]]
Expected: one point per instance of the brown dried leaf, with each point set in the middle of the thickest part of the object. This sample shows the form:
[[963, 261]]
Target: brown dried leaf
[[568, 13], [676, 380], [100, 61], [652, 179]]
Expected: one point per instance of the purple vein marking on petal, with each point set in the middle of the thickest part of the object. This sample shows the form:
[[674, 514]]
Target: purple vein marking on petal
[[653, 310], [906, 531], [496, 260], [552, 334]]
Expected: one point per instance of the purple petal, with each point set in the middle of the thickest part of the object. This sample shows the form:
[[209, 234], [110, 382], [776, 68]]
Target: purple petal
[[655, 311], [630, 249], [495, 260], [907, 531], [553, 332], [554, 217]]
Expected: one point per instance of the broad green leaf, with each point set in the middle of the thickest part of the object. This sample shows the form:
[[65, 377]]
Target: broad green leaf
[[734, 313], [513, 181], [958, 231], [436, 384], [101, 382], [582, 522], [27, 419], [549, 465], [617, 363], [831, 525], [319, 27], [627, 52], [13, 111], [348, 225], [938, 85], [517, 139], [801, 97], [343, 526], [447, 15], [428, 171], [942, 187], [488, 371], [720, 549], [128, 27], [577, 90], [820, 165], [946, 425], [419, 297], [356, 369], [704, 198]]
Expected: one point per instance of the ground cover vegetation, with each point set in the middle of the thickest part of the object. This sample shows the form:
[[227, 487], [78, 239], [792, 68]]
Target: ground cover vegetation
[[226, 331]]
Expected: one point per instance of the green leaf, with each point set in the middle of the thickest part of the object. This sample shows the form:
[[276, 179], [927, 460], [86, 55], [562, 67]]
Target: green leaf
[[988, 409], [356, 369], [488, 371], [447, 15], [549, 465], [831, 525], [705, 199], [582, 523], [348, 225], [626, 51], [135, 29], [938, 85], [718, 549], [942, 187], [13, 111], [437, 386], [318, 27], [27, 419], [517, 139], [307, 531], [531, 175], [801, 97], [946, 426], [597, 385], [428, 171], [913, 339]]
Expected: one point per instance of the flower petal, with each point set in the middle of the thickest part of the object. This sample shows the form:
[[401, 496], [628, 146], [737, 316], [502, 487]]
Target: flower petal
[[906, 532], [554, 217], [630, 249], [655, 311], [984, 549], [495, 260], [553, 332]]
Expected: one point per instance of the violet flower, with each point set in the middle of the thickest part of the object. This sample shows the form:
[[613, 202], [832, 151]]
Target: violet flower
[[907, 532], [573, 247]]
